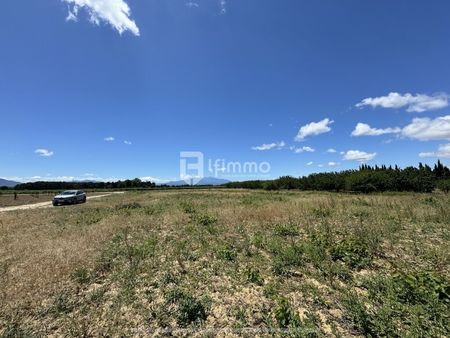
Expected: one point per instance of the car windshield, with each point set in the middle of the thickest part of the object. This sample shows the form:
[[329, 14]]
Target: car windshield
[[68, 193]]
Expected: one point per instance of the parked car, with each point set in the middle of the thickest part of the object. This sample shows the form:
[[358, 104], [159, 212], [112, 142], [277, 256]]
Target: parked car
[[70, 197]]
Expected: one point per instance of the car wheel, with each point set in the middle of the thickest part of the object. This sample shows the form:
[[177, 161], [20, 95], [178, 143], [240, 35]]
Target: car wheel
[[84, 200]]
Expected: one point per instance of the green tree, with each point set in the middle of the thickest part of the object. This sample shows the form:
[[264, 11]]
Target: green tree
[[444, 185]]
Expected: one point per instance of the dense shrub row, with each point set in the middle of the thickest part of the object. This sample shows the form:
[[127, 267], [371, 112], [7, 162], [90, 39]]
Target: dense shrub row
[[366, 179]]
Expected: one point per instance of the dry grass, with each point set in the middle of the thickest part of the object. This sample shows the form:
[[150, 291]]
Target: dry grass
[[7, 200], [228, 263]]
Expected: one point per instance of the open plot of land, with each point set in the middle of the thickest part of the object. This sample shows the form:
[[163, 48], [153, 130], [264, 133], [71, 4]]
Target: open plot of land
[[228, 263], [8, 200]]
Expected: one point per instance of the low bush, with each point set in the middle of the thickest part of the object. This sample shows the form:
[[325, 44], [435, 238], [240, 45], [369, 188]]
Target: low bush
[[416, 302], [81, 275], [421, 287], [254, 276], [286, 317], [286, 230], [205, 220], [289, 320], [227, 252], [189, 309], [352, 252]]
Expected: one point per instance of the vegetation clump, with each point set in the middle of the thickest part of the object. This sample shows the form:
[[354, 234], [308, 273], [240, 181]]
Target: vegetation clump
[[189, 309], [286, 230], [416, 302], [352, 252], [290, 322], [254, 276]]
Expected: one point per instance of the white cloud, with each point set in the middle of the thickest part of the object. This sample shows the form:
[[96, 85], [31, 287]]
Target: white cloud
[[363, 129], [192, 4], [331, 151], [270, 146], [223, 6], [333, 164], [303, 150], [443, 151], [114, 12], [109, 139], [314, 128], [415, 103], [308, 149], [360, 156], [61, 179], [150, 179], [44, 152], [128, 142], [72, 15], [310, 163], [423, 129], [426, 129]]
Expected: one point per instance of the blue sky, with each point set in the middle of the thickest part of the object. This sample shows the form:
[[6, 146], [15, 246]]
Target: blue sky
[[235, 79]]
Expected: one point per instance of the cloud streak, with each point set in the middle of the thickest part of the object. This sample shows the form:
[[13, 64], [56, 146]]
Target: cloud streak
[[303, 150], [44, 152], [414, 103], [192, 4], [363, 129], [270, 146], [116, 13]]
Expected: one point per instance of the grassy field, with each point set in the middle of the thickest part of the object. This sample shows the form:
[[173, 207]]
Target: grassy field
[[7, 200], [229, 263], [30, 197]]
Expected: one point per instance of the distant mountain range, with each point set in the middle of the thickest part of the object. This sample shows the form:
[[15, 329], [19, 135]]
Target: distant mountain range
[[204, 181], [7, 183]]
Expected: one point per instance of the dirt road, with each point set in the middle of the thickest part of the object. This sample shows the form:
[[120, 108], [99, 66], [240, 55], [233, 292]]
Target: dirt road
[[49, 204]]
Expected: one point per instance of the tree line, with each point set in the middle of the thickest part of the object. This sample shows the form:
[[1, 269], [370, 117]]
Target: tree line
[[365, 179], [125, 184]]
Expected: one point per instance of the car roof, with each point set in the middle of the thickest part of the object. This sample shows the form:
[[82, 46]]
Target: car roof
[[72, 191]]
